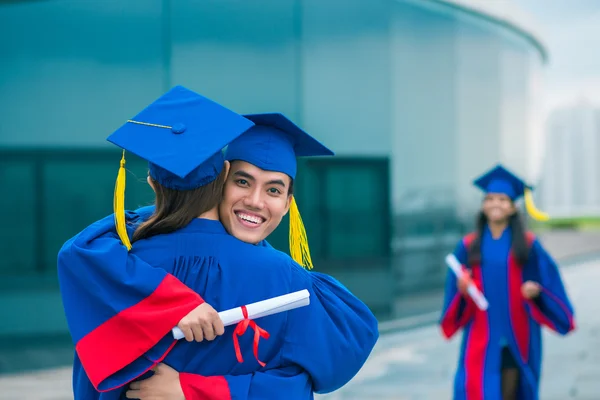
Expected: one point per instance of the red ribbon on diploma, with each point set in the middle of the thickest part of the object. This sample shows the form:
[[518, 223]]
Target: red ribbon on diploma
[[241, 328]]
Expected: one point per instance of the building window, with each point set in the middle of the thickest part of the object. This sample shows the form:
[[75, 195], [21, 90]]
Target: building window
[[54, 194], [345, 206]]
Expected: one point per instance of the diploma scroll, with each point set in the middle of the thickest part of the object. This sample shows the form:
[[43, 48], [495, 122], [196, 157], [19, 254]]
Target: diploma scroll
[[260, 309], [472, 290]]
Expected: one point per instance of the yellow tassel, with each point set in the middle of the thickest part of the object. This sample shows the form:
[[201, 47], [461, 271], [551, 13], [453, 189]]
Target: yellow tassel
[[531, 208], [298, 241], [119, 205]]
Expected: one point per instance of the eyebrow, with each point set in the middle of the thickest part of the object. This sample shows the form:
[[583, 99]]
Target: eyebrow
[[276, 182], [246, 175]]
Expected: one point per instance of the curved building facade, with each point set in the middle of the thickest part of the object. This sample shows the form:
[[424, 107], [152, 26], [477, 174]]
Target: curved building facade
[[415, 96]]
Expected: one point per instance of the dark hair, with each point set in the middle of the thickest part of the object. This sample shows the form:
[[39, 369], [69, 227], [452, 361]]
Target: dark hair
[[519, 245], [177, 208], [291, 188]]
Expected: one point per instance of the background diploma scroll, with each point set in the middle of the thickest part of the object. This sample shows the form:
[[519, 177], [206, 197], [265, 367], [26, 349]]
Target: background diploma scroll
[[475, 294], [260, 309]]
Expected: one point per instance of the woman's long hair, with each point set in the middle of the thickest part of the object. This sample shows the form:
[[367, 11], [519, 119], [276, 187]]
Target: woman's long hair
[[519, 246], [177, 208]]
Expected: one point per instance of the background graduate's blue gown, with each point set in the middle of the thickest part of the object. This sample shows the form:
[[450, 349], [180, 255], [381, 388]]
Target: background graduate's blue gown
[[121, 307], [510, 321]]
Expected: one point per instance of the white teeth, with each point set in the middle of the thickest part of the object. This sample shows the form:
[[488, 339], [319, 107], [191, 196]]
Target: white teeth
[[250, 218]]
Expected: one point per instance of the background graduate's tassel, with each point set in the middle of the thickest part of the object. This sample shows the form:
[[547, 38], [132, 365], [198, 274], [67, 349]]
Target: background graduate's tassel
[[298, 241], [119, 205], [531, 208]]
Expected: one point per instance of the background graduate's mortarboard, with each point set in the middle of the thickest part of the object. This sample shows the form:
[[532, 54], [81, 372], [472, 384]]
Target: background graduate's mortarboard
[[501, 180], [181, 135], [273, 144]]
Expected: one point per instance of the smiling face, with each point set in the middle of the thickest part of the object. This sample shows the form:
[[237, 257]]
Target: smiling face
[[498, 207], [254, 201]]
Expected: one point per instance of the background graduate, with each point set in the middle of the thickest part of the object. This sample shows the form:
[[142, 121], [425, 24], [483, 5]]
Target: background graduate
[[501, 351]]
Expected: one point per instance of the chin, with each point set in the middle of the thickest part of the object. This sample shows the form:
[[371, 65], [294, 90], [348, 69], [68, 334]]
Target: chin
[[498, 219], [248, 237]]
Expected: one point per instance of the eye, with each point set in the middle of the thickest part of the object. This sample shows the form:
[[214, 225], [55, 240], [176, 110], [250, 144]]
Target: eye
[[241, 182], [274, 191]]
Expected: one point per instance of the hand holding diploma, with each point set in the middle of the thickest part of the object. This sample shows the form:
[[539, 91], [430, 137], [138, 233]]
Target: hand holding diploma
[[244, 317], [472, 290], [260, 309], [202, 323]]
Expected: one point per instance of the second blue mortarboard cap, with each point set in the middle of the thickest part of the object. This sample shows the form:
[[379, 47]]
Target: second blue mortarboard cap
[[273, 144]]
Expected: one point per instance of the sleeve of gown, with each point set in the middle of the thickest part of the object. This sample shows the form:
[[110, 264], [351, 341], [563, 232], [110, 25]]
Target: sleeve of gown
[[552, 308], [263, 385], [332, 337], [118, 308], [457, 309]]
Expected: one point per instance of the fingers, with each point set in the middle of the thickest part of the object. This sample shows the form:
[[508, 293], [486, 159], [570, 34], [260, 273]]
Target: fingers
[[135, 391], [529, 291], [198, 333], [188, 333], [464, 281], [209, 332], [202, 323], [218, 327]]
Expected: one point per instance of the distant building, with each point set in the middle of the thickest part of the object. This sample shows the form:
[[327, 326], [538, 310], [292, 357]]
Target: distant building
[[571, 171], [417, 97]]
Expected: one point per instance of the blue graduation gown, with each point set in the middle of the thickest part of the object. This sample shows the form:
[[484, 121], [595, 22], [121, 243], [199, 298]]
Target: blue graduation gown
[[133, 296], [511, 320]]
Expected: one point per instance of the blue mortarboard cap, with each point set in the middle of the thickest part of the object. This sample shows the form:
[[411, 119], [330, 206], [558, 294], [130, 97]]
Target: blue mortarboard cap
[[501, 180], [181, 135], [274, 143]]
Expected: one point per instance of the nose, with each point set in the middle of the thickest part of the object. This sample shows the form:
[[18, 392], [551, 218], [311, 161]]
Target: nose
[[499, 202], [254, 200]]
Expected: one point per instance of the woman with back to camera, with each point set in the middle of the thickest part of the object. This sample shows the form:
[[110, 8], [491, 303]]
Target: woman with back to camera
[[501, 354]]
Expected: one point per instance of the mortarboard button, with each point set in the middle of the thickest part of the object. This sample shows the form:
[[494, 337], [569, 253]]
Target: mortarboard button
[[178, 128]]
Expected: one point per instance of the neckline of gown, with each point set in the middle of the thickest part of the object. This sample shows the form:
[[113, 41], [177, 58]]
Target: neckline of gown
[[506, 233]]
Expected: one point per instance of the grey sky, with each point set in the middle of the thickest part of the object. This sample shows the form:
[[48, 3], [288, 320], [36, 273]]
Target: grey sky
[[571, 30]]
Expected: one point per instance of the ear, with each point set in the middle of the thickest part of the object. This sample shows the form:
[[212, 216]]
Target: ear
[[287, 204], [226, 168], [151, 183]]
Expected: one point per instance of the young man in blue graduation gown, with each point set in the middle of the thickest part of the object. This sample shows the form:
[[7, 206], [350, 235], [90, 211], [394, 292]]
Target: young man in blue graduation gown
[[501, 351], [138, 285]]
